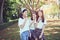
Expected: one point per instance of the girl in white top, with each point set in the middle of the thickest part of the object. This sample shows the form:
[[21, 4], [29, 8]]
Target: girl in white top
[[32, 24], [23, 24], [33, 21], [41, 22]]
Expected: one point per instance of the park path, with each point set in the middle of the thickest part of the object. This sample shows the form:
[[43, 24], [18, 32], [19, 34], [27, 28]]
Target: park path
[[12, 33]]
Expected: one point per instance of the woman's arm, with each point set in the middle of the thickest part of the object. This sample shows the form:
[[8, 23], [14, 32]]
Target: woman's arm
[[24, 23], [20, 24], [45, 22], [42, 31]]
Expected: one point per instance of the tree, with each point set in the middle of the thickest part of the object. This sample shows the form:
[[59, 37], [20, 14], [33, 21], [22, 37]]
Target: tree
[[31, 4], [9, 10], [1, 10]]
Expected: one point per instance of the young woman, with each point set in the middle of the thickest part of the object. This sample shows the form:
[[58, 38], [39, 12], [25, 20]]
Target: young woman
[[32, 25], [40, 26], [23, 24]]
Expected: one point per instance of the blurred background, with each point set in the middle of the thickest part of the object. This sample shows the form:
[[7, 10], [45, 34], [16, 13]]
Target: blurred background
[[9, 14]]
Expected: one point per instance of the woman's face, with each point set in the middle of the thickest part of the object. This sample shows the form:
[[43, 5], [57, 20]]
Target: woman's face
[[39, 13], [25, 14], [34, 16]]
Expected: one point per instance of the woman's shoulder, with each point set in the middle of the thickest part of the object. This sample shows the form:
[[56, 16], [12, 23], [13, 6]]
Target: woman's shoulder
[[29, 19], [45, 22], [20, 19]]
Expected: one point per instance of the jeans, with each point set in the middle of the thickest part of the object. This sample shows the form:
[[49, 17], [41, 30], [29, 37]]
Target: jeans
[[24, 35]]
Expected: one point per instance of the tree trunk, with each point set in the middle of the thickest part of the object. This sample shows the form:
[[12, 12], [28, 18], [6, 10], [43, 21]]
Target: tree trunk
[[1, 11]]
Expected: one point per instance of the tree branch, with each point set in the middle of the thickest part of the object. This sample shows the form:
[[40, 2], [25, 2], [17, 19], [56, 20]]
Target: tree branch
[[28, 5], [37, 5], [24, 4]]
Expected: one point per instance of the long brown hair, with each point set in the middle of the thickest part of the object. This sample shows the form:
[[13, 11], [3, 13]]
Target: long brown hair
[[42, 15]]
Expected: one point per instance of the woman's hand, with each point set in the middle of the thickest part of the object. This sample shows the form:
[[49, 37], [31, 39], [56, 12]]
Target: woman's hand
[[30, 34], [40, 36], [36, 39], [21, 26]]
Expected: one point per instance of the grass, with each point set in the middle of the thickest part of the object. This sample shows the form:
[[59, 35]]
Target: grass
[[52, 33], [12, 33], [5, 25]]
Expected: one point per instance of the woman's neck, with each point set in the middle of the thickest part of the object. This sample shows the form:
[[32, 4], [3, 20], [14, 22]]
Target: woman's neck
[[24, 17], [39, 18]]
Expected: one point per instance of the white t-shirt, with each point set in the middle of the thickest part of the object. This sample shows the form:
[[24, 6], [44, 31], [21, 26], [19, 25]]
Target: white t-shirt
[[32, 26], [41, 24], [27, 24]]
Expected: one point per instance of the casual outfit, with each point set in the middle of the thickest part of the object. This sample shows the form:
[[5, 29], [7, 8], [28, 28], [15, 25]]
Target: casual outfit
[[24, 31], [32, 28]]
